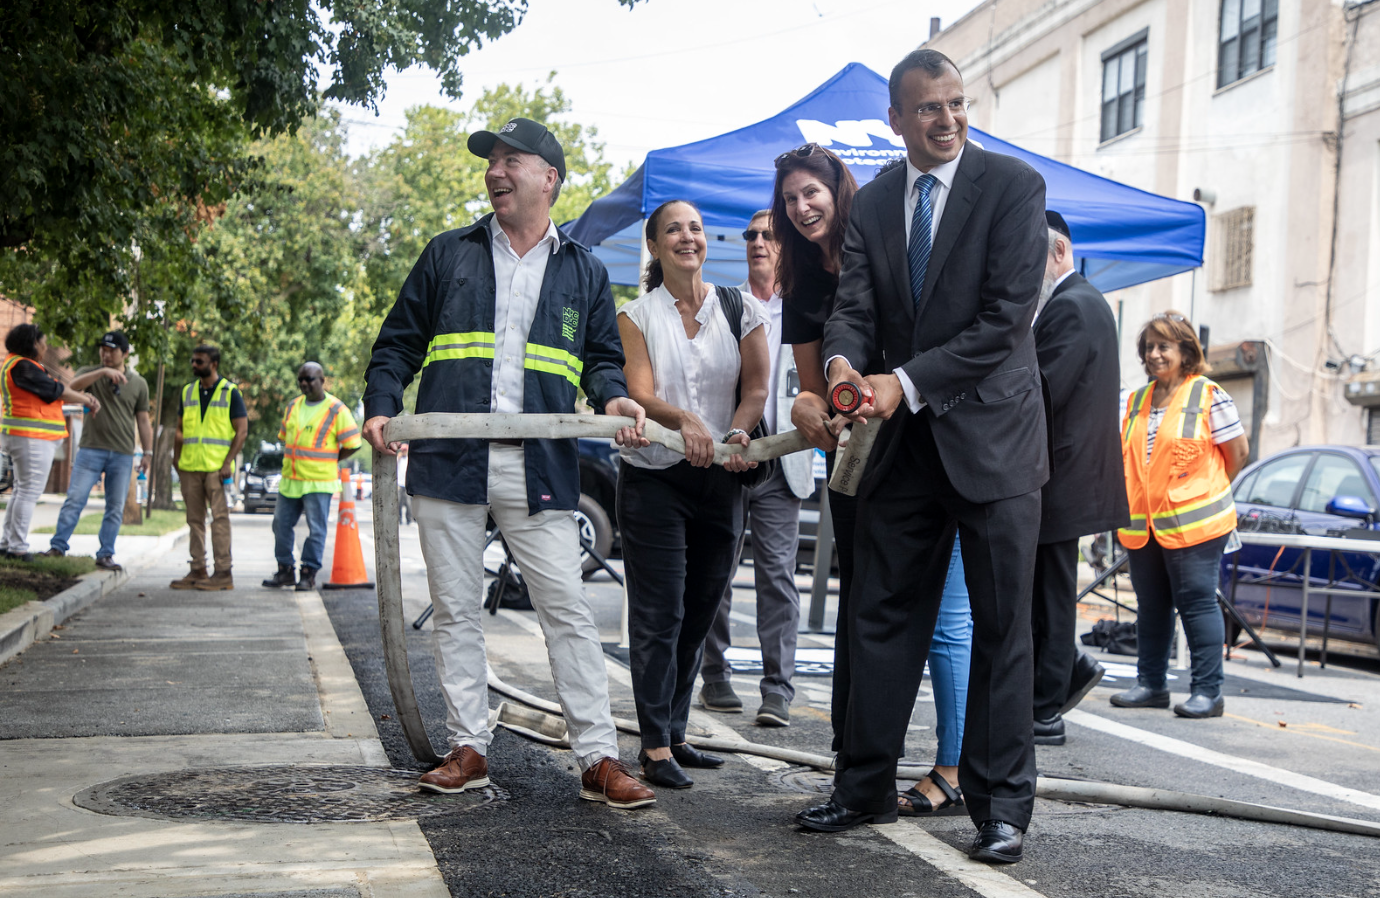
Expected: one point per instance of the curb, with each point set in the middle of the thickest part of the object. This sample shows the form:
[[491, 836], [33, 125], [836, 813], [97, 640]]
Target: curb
[[23, 626]]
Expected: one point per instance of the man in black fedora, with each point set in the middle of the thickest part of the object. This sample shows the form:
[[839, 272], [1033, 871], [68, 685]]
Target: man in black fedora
[[1076, 341]]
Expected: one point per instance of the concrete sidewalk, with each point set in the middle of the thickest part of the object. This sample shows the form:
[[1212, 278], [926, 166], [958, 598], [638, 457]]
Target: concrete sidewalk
[[169, 743]]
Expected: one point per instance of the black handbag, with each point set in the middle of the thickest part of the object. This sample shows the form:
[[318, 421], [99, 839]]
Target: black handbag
[[731, 303]]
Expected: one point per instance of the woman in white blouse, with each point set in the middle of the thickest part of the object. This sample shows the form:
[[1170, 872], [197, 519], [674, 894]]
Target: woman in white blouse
[[680, 517]]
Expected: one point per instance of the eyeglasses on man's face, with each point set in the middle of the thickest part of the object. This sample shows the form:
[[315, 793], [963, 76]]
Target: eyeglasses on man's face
[[931, 111], [750, 235]]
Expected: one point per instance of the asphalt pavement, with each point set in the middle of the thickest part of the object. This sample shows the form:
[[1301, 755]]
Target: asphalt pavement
[[179, 744]]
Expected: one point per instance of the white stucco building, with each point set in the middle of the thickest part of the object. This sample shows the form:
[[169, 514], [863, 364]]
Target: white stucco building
[[1238, 104]]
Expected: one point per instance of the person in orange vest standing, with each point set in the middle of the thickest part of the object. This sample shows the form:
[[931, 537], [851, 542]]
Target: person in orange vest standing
[[210, 433], [1182, 443], [318, 432], [31, 429]]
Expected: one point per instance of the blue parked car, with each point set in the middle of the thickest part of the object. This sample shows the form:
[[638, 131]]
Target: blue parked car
[[1320, 491]]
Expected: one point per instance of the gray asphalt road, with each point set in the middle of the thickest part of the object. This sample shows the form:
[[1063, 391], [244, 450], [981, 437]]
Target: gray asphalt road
[[1309, 744]]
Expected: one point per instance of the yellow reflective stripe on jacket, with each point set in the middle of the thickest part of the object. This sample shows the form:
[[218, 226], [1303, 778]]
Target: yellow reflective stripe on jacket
[[471, 345], [551, 360], [1136, 527], [1196, 515], [302, 452], [35, 424], [1193, 408], [1137, 400]]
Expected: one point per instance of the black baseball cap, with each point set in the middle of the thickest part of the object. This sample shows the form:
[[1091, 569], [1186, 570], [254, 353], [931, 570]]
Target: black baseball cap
[[115, 340], [1056, 221], [523, 134]]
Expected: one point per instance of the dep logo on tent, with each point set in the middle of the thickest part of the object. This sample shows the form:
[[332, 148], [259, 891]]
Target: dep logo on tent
[[858, 138]]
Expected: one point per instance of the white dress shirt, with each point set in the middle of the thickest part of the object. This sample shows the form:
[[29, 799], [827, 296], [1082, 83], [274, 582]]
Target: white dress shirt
[[772, 306], [517, 287], [939, 197], [696, 374]]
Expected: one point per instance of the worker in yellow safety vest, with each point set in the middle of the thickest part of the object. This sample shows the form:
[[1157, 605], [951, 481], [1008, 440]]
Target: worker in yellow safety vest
[[210, 433], [318, 432]]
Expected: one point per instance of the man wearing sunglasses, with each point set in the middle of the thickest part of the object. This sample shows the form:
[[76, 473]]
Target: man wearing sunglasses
[[941, 271], [317, 432], [773, 508]]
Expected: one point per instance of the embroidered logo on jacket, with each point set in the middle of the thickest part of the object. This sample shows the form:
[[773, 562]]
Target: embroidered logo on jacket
[[570, 321]]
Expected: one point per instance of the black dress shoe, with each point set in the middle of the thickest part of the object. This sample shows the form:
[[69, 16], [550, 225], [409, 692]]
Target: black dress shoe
[[832, 817], [689, 756], [1087, 673], [664, 773], [1199, 706], [997, 842], [1142, 697], [1049, 732]]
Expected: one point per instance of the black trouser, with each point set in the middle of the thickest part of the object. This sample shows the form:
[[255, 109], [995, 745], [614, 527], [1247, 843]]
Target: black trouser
[[680, 529], [843, 510], [904, 541], [1053, 621]]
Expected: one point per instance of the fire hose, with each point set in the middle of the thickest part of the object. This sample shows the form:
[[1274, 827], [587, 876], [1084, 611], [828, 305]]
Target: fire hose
[[542, 721], [388, 569], [548, 728]]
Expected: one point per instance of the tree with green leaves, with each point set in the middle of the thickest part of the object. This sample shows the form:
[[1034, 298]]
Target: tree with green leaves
[[126, 124]]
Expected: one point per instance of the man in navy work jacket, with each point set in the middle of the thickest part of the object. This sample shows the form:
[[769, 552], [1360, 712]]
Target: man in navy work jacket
[[508, 315]]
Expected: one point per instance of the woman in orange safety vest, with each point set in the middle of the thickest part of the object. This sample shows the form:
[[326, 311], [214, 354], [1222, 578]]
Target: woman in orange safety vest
[[1182, 443], [31, 429]]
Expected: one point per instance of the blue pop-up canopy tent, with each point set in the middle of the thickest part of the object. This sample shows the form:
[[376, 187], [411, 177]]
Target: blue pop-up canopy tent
[[1122, 236]]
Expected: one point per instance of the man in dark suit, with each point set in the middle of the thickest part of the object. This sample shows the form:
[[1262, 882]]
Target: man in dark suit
[[942, 265], [1075, 338]]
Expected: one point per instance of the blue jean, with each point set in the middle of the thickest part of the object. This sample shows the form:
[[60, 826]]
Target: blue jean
[[87, 469], [1165, 579], [951, 652], [286, 512]]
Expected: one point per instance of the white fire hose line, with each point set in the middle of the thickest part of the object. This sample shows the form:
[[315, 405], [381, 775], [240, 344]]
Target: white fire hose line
[[1248, 767], [388, 570]]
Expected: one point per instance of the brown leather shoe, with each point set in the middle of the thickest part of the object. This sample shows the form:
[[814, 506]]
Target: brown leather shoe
[[190, 581], [609, 782], [220, 580], [464, 768]]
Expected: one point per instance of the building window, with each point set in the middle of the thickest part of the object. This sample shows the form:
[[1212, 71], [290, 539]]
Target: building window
[[1123, 86], [1233, 242], [1247, 45]]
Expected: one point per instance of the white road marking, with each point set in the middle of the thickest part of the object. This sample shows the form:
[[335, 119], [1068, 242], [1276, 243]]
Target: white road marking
[[1184, 749], [984, 879]]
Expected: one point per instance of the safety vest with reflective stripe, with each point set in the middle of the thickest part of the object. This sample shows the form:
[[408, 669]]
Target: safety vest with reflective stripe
[[311, 447], [206, 438], [1182, 495], [480, 345], [25, 415]]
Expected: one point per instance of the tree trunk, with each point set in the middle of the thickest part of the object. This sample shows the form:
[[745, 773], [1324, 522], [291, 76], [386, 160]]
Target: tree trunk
[[162, 469]]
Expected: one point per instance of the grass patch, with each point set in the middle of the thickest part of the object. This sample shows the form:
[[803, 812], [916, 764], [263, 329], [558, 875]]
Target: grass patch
[[157, 523], [12, 597], [67, 567]]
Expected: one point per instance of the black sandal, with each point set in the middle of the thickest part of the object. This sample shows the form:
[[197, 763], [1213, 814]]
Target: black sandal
[[918, 803]]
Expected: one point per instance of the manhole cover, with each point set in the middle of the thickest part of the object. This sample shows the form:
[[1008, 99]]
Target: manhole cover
[[278, 795], [805, 779]]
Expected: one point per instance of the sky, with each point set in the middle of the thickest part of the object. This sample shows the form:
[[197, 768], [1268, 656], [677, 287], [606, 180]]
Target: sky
[[669, 72]]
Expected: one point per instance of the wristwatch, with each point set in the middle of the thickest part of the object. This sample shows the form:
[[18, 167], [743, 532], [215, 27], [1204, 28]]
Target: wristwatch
[[733, 433]]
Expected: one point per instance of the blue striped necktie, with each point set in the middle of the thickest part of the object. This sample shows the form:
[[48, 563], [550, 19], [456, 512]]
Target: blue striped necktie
[[921, 224]]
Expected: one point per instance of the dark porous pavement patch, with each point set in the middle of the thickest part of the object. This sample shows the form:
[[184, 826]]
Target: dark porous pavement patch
[[730, 835]]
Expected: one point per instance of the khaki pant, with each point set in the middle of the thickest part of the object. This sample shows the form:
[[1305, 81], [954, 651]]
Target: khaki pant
[[199, 489]]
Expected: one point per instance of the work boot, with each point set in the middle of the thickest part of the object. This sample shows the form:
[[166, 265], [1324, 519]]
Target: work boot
[[195, 576], [284, 577], [308, 581], [219, 582]]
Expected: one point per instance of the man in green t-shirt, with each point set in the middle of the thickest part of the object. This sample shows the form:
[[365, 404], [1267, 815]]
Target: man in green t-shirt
[[107, 446]]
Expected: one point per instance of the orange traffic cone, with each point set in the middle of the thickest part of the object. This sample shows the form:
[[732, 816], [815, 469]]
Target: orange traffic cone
[[347, 564]]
